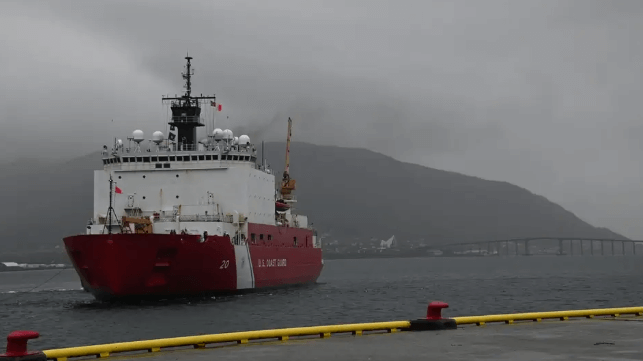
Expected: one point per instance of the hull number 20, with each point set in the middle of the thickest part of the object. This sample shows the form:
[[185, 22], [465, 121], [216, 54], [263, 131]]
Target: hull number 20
[[224, 264]]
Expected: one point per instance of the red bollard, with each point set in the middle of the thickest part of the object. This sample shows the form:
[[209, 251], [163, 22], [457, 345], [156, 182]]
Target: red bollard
[[17, 347], [433, 320], [434, 311]]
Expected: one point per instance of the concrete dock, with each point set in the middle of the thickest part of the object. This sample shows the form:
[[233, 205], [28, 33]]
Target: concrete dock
[[578, 339], [591, 334]]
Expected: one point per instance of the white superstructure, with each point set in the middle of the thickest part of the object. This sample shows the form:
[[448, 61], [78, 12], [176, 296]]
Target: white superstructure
[[215, 186]]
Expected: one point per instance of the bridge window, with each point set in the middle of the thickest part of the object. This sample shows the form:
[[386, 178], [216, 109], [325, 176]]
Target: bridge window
[[208, 157], [253, 237], [194, 157], [166, 165], [172, 158], [270, 237], [261, 236], [155, 159], [163, 159], [201, 157]]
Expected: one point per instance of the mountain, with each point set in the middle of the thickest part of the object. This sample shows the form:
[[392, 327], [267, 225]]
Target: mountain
[[359, 193], [351, 193]]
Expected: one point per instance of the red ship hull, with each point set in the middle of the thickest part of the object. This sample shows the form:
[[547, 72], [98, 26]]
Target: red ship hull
[[169, 265]]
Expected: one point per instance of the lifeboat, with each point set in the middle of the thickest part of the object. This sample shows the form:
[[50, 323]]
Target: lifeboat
[[281, 206]]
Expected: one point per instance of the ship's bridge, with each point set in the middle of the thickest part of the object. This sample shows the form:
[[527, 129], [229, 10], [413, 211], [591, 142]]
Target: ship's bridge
[[220, 149], [180, 159]]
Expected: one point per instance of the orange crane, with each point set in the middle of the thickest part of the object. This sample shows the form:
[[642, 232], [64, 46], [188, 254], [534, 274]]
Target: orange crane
[[287, 184]]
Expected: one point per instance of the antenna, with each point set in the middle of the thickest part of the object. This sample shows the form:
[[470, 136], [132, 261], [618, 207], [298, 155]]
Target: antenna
[[110, 210], [188, 77], [138, 136], [186, 111], [157, 138]]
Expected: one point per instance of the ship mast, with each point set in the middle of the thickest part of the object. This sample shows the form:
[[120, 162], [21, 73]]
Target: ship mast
[[110, 210], [287, 184], [186, 111]]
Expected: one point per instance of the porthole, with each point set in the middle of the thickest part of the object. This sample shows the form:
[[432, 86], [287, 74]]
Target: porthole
[[143, 176], [177, 175], [143, 197], [177, 197], [119, 177]]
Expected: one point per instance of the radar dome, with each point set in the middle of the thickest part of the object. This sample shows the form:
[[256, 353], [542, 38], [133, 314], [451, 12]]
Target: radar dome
[[138, 135], [119, 142], [227, 134], [235, 141], [157, 137], [244, 140], [217, 134]]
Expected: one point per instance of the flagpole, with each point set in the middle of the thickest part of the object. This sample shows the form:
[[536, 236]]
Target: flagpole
[[109, 211]]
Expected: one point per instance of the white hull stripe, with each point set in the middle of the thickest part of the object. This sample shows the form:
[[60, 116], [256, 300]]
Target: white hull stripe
[[245, 277]]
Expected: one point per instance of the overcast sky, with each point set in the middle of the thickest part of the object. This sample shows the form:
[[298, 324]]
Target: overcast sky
[[543, 94]]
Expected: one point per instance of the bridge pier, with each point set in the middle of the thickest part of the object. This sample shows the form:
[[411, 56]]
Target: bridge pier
[[623, 247], [582, 250], [602, 247], [527, 252]]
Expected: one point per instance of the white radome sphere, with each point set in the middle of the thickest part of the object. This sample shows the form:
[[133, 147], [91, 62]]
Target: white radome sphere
[[244, 140], [227, 134], [218, 134], [157, 137], [235, 141], [138, 135]]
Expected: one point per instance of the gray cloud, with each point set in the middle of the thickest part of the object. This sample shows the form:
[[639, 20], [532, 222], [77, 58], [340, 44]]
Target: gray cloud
[[543, 94]]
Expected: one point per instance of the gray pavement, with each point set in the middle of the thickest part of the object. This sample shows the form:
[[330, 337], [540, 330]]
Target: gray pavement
[[576, 339]]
